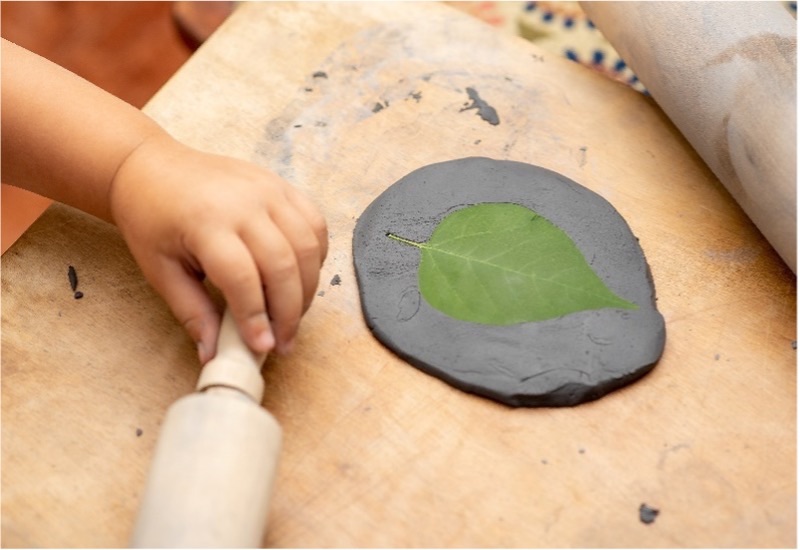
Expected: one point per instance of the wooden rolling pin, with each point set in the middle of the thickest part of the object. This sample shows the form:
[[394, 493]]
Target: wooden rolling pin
[[725, 74], [211, 476]]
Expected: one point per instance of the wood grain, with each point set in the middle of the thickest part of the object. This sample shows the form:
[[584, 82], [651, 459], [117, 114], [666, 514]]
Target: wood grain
[[375, 452]]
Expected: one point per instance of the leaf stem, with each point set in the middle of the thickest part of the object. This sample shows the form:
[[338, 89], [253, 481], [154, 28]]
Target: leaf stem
[[405, 241]]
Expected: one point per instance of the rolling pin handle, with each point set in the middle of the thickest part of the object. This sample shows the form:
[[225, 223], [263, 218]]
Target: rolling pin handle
[[235, 365]]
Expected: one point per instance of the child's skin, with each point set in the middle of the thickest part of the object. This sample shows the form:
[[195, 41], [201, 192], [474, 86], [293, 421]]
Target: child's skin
[[184, 214]]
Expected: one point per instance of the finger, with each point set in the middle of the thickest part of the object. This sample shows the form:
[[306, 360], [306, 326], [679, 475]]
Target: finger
[[229, 264], [313, 217], [281, 274], [191, 304], [305, 246]]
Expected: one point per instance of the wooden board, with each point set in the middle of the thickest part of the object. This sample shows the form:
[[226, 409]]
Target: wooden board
[[377, 453]]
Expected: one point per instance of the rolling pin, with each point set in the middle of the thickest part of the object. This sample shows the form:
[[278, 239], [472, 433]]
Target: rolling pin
[[725, 74], [212, 471]]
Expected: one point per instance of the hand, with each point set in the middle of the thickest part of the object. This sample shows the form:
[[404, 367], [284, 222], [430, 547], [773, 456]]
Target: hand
[[186, 215]]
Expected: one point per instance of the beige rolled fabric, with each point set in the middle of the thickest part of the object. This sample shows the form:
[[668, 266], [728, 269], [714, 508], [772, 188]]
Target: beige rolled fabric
[[725, 74]]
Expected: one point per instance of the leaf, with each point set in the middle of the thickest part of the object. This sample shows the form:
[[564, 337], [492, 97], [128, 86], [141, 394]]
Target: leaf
[[502, 264]]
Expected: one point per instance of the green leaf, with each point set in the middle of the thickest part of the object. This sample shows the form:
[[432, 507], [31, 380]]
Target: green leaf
[[502, 264]]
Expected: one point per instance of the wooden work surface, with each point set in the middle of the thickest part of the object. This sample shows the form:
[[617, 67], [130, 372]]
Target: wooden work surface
[[375, 452]]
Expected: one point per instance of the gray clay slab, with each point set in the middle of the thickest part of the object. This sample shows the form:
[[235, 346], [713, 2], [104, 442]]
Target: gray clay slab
[[559, 362]]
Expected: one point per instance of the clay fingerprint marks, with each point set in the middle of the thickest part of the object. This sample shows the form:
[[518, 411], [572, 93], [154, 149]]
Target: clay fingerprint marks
[[509, 281]]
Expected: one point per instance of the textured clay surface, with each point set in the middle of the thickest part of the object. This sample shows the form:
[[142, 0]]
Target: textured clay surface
[[558, 362]]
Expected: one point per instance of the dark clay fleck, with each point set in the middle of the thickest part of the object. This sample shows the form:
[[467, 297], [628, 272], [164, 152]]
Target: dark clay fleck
[[321, 293], [485, 111], [336, 281], [78, 295], [73, 278], [320, 74], [647, 515], [377, 107], [139, 432]]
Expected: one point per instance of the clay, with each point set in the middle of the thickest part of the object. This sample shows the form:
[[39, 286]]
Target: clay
[[485, 111], [557, 362], [647, 515], [72, 275]]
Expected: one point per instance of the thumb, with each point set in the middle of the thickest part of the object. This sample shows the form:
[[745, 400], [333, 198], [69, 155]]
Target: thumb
[[192, 306]]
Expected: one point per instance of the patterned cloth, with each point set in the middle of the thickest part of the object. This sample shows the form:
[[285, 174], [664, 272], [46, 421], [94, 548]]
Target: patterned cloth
[[564, 29]]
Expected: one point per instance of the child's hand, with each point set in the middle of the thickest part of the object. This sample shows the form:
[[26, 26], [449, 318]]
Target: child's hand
[[186, 214]]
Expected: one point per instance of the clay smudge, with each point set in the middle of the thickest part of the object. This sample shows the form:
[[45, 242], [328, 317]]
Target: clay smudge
[[320, 74], [582, 156], [416, 96], [377, 107], [758, 48], [336, 281], [485, 111]]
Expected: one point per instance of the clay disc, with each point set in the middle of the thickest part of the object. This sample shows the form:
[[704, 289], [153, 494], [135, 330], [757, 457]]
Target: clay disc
[[558, 362]]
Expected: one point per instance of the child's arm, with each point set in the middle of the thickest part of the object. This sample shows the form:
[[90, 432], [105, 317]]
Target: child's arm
[[184, 214]]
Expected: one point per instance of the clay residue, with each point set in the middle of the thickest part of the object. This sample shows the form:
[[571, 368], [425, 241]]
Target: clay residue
[[647, 514], [485, 111], [759, 48]]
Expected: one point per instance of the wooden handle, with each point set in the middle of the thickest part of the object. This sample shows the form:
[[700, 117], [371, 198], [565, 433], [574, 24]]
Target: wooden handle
[[725, 74], [211, 477]]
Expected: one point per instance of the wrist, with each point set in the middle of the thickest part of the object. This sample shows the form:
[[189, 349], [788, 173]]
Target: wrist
[[133, 170]]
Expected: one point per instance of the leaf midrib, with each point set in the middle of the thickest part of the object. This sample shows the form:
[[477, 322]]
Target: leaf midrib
[[428, 247]]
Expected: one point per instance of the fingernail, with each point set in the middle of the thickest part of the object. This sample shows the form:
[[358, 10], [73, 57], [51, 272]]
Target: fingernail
[[287, 347], [265, 341], [202, 354]]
